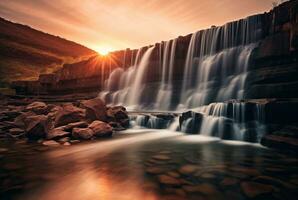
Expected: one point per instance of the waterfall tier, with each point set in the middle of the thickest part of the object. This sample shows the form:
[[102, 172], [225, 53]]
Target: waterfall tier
[[215, 69]]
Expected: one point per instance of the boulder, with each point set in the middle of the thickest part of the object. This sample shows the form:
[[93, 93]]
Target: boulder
[[53, 112], [95, 109], [20, 120], [82, 133], [117, 112], [101, 129], [71, 126], [119, 115], [54, 108], [50, 143], [57, 133], [36, 126], [69, 114], [37, 107]]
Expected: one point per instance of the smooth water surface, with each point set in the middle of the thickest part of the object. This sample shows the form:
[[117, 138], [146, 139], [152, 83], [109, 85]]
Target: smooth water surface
[[147, 164]]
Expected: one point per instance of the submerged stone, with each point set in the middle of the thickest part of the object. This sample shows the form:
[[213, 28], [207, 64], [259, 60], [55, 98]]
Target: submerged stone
[[2, 150], [188, 169], [161, 157], [155, 170], [208, 176], [273, 181], [173, 174], [206, 189], [229, 181], [168, 180], [253, 189]]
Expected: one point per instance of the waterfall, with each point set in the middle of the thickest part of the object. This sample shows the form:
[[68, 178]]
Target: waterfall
[[217, 61], [214, 72], [138, 79], [125, 86], [164, 94], [234, 120]]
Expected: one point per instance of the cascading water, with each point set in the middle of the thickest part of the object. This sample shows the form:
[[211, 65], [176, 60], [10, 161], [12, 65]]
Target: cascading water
[[215, 70], [125, 86], [217, 61], [164, 94], [228, 120]]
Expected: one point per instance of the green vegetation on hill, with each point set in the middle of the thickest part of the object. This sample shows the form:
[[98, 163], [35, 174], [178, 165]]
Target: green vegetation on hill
[[25, 52]]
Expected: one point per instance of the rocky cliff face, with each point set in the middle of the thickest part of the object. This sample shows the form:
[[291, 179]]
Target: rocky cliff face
[[272, 72]]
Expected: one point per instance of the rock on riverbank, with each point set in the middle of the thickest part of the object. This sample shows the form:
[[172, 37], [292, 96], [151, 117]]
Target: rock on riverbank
[[63, 123]]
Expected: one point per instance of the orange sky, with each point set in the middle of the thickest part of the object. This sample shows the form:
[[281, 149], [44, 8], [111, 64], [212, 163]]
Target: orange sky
[[117, 24]]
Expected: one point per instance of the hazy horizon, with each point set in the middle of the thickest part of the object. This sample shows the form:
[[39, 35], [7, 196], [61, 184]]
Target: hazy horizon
[[112, 25]]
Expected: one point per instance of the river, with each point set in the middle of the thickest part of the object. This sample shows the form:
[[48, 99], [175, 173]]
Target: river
[[148, 165]]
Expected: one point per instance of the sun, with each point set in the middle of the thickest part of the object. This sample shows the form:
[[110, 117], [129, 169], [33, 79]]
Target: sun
[[103, 50]]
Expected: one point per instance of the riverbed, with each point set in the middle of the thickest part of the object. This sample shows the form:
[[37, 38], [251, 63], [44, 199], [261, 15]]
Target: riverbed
[[148, 165]]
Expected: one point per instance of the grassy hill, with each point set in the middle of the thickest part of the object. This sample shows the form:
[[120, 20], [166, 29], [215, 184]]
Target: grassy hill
[[26, 52]]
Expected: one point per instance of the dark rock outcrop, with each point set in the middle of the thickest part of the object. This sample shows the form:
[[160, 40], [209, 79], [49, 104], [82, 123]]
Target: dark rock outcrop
[[280, 142], [153, 120], [190, 122], [118, 115], [283, 139]]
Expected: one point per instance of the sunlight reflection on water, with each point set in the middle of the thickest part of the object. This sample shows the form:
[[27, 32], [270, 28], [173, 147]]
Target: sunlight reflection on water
[[121, 168], [86, 181]]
